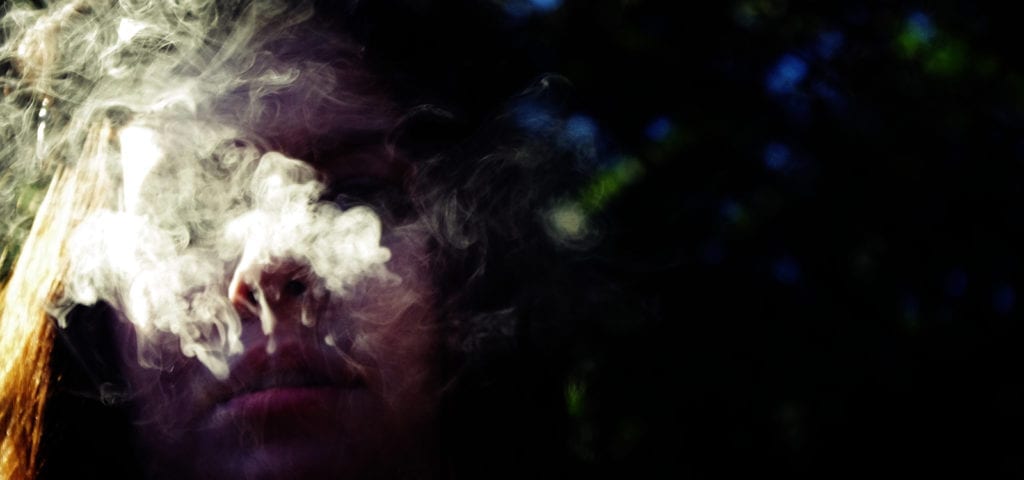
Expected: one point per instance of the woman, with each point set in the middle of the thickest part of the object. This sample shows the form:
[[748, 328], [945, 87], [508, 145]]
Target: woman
[[244, 268]]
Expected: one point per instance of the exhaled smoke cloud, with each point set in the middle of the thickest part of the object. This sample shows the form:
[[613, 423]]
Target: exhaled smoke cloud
[[189, 91], [187, 97], [173, 283], [340, 247]]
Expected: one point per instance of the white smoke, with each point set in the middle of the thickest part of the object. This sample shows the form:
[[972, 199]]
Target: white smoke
[[189, 91], [341, 248], [198, 204], [173, 283]]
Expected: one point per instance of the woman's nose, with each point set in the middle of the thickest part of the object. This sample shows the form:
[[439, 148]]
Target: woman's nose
[[274, 293]]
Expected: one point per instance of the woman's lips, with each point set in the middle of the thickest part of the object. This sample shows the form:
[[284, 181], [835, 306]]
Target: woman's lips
[[292, 408], [293, 382], [284, 402]]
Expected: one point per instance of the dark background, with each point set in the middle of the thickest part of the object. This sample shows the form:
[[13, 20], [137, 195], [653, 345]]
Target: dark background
[[816, 210]]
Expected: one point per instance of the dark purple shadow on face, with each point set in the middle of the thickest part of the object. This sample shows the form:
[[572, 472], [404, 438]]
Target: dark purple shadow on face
[[335, 115], [298, 413], [305, 410]]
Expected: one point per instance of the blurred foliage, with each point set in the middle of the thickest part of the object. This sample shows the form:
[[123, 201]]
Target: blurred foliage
[[822, 226], [26, 199]]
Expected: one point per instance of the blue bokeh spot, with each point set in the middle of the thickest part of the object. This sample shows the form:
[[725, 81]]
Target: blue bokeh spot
[[580, 130], [546, 5], [524, 8], [777, 157], [786, 271], [659, 129], [534, 118], [786, 75], [1003, 299], [920, 26]]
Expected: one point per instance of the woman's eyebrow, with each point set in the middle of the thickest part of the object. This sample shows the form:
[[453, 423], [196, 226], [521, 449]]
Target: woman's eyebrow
[[340, 142]]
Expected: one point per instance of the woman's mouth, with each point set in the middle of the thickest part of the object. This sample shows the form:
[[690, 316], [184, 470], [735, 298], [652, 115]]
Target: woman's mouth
[[290, 384], [284, 402]]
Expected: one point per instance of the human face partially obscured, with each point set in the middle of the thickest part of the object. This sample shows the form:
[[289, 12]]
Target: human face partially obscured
[[277, 320]]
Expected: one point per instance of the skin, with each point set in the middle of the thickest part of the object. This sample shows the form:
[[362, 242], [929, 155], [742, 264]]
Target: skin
[[370, 415], [341, 386]]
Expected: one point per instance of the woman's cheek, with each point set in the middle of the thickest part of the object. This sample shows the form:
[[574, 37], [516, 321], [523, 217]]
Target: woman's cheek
[[388, 327]]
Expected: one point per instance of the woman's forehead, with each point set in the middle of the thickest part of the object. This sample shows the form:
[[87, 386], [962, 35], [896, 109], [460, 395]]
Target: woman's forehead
[[320, 111], [163, 154], [335, 116]]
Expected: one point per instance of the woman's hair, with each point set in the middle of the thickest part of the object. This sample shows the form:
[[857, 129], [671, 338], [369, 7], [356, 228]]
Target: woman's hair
[[509, 282]]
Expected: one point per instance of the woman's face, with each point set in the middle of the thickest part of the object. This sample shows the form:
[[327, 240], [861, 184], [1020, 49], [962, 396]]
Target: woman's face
[[276, 315]]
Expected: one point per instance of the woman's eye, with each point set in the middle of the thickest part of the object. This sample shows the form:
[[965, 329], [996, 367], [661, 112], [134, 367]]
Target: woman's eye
[[386, 197], [357, 191]]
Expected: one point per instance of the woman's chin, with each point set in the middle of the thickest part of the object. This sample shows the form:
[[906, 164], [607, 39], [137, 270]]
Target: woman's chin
[[302, 433], [312, 459], [287, 460]]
